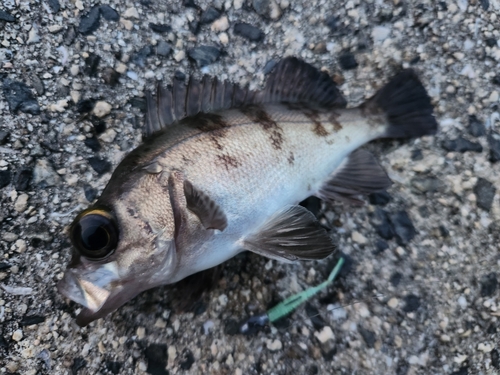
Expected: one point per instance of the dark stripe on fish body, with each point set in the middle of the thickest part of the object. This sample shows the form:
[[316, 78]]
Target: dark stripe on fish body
[[313, 115], [258, 115], [208, 122], [227, 161], [333, 118]]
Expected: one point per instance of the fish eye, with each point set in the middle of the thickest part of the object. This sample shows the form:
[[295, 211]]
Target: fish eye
[[94, 233]]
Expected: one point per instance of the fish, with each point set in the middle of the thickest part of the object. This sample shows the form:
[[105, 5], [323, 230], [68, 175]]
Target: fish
[[221, 170]]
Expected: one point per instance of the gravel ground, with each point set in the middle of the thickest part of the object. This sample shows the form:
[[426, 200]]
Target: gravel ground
[[419, 294]]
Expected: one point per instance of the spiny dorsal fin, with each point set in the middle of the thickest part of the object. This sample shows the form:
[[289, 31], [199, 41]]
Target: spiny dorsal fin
[[295, 81], [360, 174], [209, 212], [291, 81], [291, 234]]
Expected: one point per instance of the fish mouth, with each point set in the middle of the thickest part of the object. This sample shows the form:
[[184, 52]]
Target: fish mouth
[[96, 291]]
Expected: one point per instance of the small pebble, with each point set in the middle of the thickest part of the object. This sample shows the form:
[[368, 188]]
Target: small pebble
[[17, 335], [102, 109], [325, 334], [131, 13], [248, 31], [89, 21], [274, 345], [359, 238], [485, 192]]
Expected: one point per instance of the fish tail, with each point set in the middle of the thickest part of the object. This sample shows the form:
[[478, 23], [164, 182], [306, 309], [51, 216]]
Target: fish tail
[[406, 105]]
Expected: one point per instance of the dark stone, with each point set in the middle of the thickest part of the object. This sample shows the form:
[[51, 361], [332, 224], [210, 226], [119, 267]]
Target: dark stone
[[347, 61], [190, 4], [396, 278], [403, 368], [380, 199], [315, 317], [92, 143], [485, 192], [4, 266], [412, 303], [463, 371], [20, 97], [78, 364], [403, 227], [4, 137], [3, 342], [269, 66], [194, 27], [248, 31], [427, 184], [495, 359], [62, 90], [113, 367], [209, 15], [231, 327], [494, 144], [204, 55], [262, 7], [496, 80], [312, 204], [157, 357], [32, 319], [90, 21], [7, 17], [382, 224], [5, 177], [85, 105], [492, 329], [461, 145], [99, 125], [37, 84], [186, 360], [368, 336], [111, 76], [490, 42], [489, 284], [23, 179], [139, 58], [476, 127], [445, 233], [179, 75], [91, 64], [312, 370], [160, 28], [163, 48], [54, 5], [69, 35], [332, 23], [380, 246], [139, 103], [90, 192], [415, 60], [417, 155], [101, 166], [109, 13], [485, 4]]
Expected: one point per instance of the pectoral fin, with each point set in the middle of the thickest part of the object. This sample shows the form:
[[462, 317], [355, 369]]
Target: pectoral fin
[[291, 234], [361, 174], [209, 212]]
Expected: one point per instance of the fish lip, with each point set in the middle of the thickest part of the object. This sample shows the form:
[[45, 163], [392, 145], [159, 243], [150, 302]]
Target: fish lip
[[91, 289]]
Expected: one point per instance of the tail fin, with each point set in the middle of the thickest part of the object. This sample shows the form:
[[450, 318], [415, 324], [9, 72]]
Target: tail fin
[[407, 106]]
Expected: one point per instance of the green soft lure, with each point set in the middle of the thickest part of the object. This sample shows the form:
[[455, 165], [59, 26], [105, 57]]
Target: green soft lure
[[291, 303]]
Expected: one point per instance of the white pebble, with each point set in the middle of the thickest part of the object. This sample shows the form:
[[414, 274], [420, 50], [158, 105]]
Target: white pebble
[[325, 334], [358, 238], [131, 13], [274, 345], [17, 335], [221, 24], [141, 333], [102, 108], [462, 302], [380, 33], [21, 203], [393, 303]]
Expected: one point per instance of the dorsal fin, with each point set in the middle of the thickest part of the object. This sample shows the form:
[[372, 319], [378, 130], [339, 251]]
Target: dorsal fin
[[291, 81], [295, 81]]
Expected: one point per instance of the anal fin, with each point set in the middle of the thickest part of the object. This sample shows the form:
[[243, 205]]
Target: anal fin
[[209, 212], [360, 174], [291, 234]]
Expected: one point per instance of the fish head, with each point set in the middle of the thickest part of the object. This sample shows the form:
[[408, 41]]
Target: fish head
[[119, 250]]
